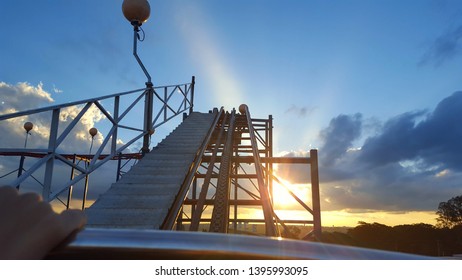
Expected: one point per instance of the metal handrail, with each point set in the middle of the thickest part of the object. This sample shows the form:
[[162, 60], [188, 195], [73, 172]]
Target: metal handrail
[[123, 244], [50, 154], [268, 211]]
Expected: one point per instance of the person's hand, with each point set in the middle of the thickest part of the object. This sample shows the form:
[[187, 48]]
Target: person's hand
[[29, 228]]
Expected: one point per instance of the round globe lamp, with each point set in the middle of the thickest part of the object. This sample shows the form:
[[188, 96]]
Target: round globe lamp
[[136, 11], [28, 126], [243, 108], [93, 131]]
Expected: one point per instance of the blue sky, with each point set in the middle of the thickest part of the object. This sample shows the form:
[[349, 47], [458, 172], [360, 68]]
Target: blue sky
[[359, 80]]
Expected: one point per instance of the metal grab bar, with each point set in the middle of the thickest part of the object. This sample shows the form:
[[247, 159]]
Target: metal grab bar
[[92, 243]]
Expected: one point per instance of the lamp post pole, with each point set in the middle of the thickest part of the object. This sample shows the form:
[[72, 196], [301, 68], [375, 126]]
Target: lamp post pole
[[28, 127], [137, 12]]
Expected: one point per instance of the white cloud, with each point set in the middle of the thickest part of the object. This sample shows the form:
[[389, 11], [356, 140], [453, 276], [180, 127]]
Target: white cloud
[[23, 96], [57, 90]]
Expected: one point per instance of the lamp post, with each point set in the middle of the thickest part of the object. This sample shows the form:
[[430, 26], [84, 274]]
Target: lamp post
[[93, 131], [137, 12], [28, 127]]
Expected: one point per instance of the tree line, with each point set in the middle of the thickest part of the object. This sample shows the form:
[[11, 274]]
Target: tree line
[[421, 239], [444, 239]]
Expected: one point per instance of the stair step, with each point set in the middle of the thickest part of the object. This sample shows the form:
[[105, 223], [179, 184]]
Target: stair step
[[142, 197], [144, 189], [156, 171], [151, 179], [125, 218], [117, 201]]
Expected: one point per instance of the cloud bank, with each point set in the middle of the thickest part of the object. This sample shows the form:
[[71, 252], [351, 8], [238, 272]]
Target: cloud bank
[[24, 96], [411, 163]]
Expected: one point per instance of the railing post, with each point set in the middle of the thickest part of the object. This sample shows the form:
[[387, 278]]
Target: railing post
[[165, 103], [193, 83], [85, 187], [315, 194], [147, 117], [69, 194], [51, 150], [116, 119], [119, 166], [21, 168], [269, 144]]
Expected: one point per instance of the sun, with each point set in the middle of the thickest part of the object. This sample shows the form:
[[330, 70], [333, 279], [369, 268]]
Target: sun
[[283, 199]]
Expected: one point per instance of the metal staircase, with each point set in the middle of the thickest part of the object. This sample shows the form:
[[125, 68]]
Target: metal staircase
[[141, 199]]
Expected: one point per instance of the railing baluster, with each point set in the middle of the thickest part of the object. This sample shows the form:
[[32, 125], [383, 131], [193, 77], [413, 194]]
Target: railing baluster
[[51, 151], [116, 118]]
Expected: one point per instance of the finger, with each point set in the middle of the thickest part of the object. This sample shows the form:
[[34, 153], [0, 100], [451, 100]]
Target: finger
[[73, 219], [28, 199], [7, 194], [53, 230]]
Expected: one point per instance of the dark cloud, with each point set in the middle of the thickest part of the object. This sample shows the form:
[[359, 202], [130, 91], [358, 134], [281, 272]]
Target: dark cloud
[[441, 134], [436, 140], [444, 48], [413, 162], [339, 136], [397, 141], [295, 173]]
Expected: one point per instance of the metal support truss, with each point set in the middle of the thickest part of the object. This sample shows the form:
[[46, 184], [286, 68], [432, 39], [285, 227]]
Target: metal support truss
[[236, 175], [220, 214]]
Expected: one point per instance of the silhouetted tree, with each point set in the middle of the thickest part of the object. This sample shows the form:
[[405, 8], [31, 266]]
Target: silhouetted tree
[[416, 239], [450, 212], [423, 239], [373, 235], [338, 238]]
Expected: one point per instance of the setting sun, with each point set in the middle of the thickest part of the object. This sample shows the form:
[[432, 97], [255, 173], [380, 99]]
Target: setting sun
[[282, 194]]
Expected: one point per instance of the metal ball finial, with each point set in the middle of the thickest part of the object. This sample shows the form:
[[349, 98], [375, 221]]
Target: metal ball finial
[[242, 108], [136, 11], [28, 126], [93, 131]]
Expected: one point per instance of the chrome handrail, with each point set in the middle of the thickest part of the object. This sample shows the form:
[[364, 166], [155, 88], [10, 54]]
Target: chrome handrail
[[94, 243]]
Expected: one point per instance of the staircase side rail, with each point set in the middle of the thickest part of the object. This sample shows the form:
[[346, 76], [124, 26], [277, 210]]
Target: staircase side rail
[[268, 211]]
